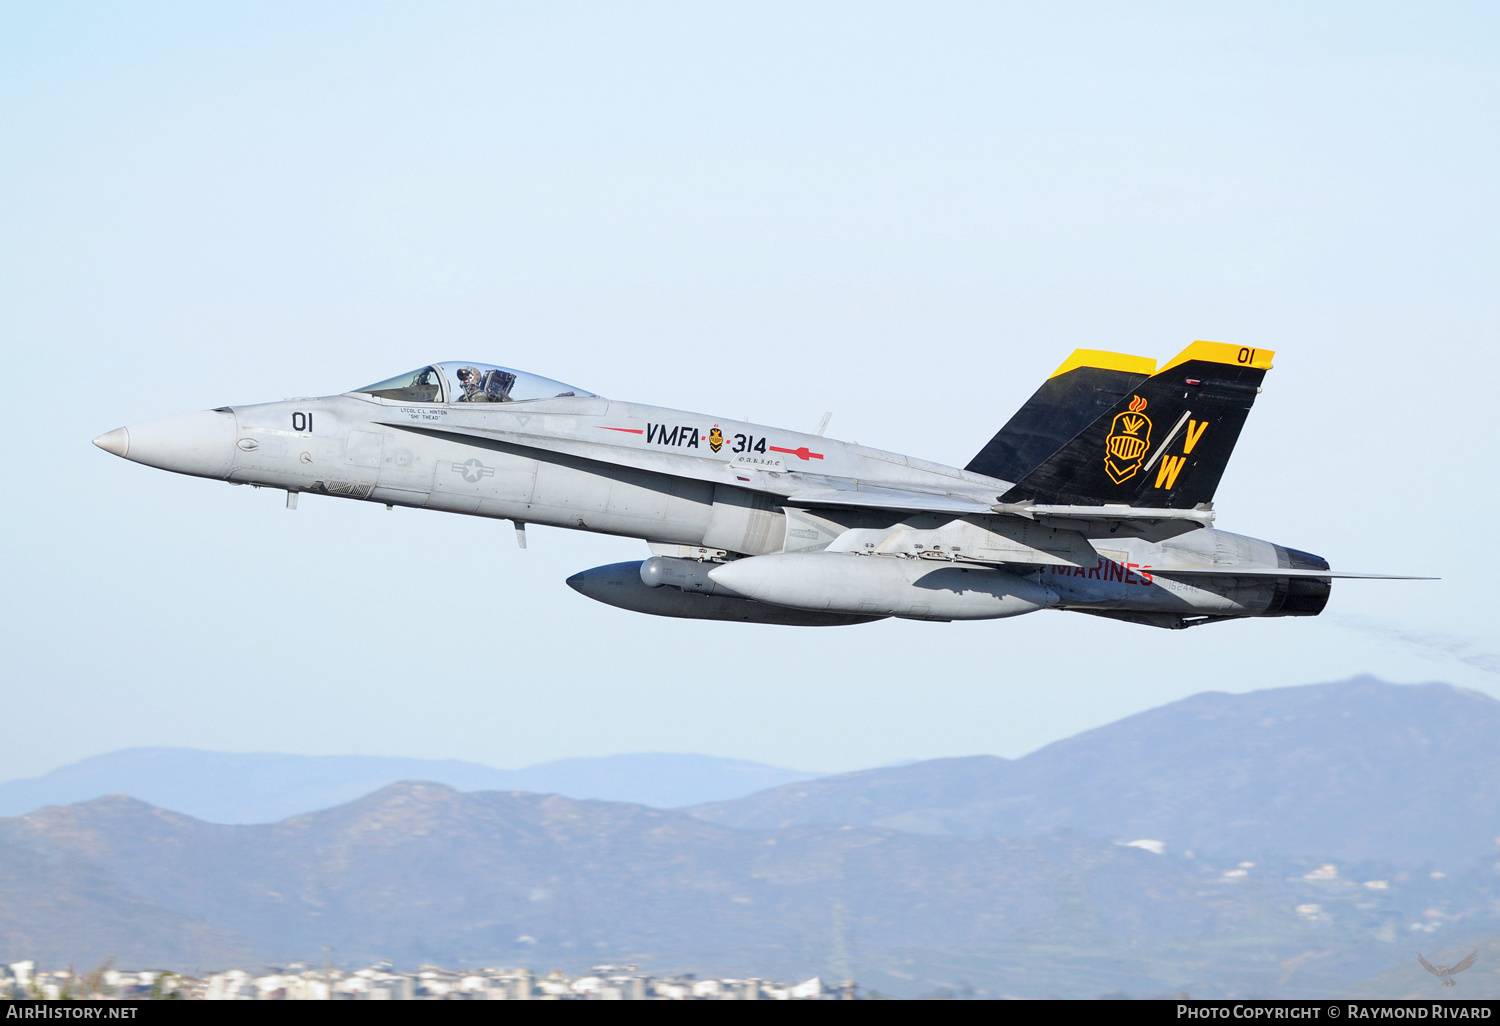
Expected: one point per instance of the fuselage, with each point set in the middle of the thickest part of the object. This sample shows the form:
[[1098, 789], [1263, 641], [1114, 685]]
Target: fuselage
[[662, 475], [713, 489]]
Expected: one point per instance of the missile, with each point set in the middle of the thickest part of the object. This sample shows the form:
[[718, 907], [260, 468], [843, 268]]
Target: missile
[[673, 594], [914, 589]]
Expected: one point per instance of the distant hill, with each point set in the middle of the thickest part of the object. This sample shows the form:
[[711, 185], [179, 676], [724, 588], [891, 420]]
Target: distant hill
[[419, 873], [1353, 770], [223, 787], [71, 910]]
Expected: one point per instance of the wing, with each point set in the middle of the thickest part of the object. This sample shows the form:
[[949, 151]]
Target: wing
[[1465, 963], [1426, 964]]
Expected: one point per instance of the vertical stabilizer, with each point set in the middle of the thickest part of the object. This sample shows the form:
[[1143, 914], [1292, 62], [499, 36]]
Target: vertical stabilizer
[[1088, 383], [1163, 445]]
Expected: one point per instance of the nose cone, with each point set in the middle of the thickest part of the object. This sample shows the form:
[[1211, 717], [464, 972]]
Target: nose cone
[[116, 442], [201, 444]]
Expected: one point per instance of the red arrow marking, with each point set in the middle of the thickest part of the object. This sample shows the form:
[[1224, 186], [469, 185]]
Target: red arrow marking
[[801, 454], [628, 431]]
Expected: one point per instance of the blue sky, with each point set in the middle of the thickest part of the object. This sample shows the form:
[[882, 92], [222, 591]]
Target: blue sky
[[906, 214]]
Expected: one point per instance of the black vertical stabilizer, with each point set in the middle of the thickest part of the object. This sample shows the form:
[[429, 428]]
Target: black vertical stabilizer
[[1078, 393], [1166, 444]]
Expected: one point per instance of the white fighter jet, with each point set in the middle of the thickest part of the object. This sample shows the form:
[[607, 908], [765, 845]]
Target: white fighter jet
[[1096, 496]]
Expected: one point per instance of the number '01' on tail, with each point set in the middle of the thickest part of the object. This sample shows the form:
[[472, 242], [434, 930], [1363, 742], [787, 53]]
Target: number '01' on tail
[[1164, 445]]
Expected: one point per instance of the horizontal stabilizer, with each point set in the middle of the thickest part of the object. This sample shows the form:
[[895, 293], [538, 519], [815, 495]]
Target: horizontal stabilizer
[[1043, 511], [1149, 522], [1271, 571], [887, 498]]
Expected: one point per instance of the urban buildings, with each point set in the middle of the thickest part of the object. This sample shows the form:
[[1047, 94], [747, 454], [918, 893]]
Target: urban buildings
[[384, 982]]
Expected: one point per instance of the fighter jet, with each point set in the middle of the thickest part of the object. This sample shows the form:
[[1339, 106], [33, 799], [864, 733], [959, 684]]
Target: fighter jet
[[1096, 497]]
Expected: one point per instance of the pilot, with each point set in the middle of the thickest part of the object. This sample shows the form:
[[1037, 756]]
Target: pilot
[[472, 382]]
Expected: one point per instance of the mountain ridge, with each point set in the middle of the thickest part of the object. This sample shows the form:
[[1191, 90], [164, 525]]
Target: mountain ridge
[[1340, 770], [262, 787]]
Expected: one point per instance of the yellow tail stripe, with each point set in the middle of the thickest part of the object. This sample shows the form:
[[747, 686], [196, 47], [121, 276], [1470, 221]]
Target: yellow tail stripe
[[1106, 361]]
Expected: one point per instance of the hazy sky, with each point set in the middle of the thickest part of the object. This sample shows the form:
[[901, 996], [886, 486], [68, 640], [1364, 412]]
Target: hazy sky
[[907, 214]]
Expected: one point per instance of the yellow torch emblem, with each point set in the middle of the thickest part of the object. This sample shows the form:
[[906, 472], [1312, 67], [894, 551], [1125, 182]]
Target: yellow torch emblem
[[1129, 438]]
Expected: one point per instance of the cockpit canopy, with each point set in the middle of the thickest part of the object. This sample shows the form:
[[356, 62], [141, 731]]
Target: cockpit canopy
[[459, 381]]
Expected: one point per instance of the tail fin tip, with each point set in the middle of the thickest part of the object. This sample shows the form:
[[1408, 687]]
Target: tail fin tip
[[1222, 352], [1099, 359]]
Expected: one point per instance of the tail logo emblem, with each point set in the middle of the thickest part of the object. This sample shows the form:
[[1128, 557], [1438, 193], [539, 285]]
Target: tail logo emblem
[[715, 438], [1129, 438]]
